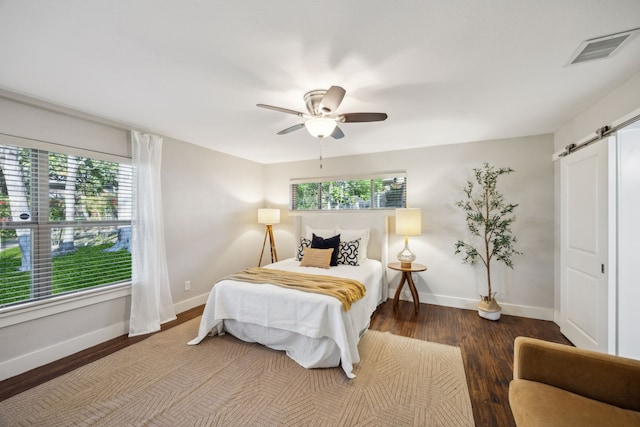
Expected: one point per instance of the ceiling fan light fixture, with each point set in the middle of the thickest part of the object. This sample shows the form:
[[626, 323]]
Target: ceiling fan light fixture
[[320, 127], [321, 122]]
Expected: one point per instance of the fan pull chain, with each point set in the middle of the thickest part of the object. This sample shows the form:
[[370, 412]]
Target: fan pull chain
[[320, 154]]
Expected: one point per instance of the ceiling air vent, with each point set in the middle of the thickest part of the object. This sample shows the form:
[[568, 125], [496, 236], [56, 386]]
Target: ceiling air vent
[[601, 47]]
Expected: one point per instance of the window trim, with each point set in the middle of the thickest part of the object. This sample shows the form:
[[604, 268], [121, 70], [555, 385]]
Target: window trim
[[66, 301], [32, 310], [380, 175]]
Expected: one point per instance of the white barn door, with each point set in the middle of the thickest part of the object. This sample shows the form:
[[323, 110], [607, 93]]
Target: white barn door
[[584, 258]]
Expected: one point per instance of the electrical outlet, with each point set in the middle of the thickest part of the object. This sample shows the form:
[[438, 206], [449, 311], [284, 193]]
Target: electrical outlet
[[187, 285]]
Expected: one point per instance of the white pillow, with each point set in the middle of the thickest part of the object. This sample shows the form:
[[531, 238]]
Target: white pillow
[[324, 233], [348, 235]]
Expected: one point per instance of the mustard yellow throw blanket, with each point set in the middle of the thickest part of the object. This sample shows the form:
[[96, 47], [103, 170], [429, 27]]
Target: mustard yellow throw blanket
[[347, 291]]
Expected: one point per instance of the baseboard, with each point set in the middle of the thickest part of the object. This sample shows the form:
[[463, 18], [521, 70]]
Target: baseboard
[[190, 303], [540, 313], [446, 301], [42, 356], [26, 362]]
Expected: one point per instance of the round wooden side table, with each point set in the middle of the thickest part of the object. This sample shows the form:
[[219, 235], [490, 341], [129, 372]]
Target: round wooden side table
[[406, 277]]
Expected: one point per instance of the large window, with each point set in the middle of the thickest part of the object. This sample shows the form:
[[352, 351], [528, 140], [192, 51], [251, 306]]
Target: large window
[[379, 192], [65, 223]]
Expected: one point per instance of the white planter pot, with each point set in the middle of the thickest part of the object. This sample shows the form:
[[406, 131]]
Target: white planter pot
[[489, 309], [491, 315]]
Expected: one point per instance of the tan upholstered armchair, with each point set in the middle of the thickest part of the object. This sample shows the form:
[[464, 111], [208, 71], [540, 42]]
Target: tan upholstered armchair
[[560, 385]]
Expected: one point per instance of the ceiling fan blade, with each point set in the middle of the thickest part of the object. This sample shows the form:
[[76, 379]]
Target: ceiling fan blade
[[282, 110], [337, 133], [291, 129], [362, 117], [331, 100]]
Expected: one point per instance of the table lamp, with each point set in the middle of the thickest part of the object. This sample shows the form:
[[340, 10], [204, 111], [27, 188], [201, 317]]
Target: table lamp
[[269, 217], [408, 223]]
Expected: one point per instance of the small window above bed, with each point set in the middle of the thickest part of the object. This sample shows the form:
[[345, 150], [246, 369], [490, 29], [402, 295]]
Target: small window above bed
[[383, 191]]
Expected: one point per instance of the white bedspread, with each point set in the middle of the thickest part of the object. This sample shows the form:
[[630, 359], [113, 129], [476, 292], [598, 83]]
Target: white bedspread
[[308, 314]]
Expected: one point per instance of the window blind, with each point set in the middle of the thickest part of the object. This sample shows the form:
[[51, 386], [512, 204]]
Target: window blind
[[377, 192], [65, 223]]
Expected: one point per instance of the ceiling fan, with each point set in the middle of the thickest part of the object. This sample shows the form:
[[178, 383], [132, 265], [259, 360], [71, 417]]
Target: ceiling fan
[[321, 120]]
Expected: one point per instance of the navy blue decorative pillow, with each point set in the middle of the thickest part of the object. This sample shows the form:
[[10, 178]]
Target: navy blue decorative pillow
[[348, 252], [304, 243], [318, 242]]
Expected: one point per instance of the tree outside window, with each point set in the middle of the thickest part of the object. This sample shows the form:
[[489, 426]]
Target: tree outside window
[[350, 194], [65, 223]]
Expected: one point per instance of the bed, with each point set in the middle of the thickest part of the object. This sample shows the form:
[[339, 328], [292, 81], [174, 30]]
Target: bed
[[313, 329]]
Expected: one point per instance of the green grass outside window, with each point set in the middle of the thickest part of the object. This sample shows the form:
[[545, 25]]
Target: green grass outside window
[[84, 268]]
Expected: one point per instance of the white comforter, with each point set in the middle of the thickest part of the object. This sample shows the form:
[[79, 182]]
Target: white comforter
[[310, 315]]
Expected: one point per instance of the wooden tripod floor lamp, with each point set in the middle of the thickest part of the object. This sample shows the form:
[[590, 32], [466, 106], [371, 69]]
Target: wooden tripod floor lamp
[[269, 217]]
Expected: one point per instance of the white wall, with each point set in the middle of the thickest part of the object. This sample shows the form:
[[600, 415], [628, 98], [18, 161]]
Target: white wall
[[211, 202], [617, 104], [436, 177], [209, 231], [27, 121]]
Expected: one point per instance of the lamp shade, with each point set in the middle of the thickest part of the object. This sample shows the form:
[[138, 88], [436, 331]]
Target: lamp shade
[[409, 221], [268, 216], [320, 127]]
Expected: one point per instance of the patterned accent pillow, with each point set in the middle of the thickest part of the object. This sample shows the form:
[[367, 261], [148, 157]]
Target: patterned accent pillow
[[348, 252], [304, 243], [349, 235]]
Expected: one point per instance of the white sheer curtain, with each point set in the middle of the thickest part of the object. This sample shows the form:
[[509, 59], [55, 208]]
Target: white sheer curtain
[[151, 302]]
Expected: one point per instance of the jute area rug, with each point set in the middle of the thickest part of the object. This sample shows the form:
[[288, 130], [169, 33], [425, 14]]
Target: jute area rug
[[162, 381]]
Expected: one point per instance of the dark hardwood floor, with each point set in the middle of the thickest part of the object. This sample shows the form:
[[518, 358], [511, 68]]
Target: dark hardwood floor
[[486, 346]]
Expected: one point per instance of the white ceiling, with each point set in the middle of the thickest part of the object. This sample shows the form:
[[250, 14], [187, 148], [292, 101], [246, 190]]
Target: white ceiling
[[445, 71]]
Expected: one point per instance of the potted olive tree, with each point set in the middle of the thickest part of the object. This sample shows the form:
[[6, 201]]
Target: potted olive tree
[[489, 218]]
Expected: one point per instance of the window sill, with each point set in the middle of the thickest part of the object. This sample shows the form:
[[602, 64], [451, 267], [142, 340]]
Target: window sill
[[37, 309]]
